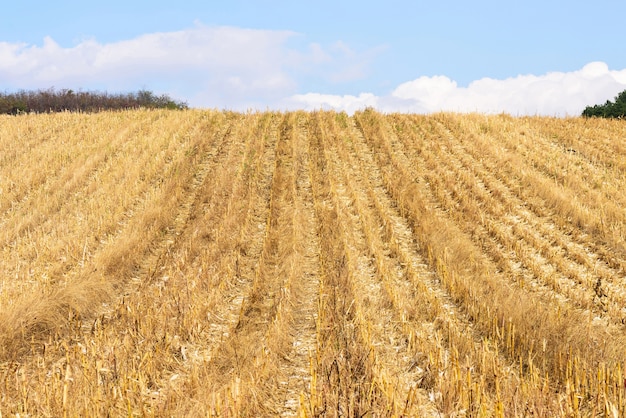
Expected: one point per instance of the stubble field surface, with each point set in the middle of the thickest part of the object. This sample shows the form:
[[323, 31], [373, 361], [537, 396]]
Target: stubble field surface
[[213, 263]]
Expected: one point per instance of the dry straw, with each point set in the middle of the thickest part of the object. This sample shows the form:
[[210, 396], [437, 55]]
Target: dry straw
[[209, 263]]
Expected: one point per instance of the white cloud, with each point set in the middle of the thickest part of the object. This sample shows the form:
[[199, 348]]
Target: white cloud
[[246, 68], [227, 62], [348, 103], [555, 93], [209, 66]]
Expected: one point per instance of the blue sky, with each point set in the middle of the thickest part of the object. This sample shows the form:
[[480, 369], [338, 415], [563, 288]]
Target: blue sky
[[522, 57]]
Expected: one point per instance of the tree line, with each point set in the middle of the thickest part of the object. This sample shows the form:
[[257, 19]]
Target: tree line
[[616, 109], [51, 100]]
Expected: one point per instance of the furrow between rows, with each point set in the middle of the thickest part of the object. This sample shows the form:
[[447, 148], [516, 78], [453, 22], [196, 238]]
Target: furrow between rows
[[553, 256], [514, 318]]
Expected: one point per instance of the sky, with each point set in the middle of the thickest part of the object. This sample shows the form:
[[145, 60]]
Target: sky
[[531, 57]]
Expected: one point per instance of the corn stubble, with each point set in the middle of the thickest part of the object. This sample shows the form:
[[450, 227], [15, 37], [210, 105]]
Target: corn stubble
[[208, 263]]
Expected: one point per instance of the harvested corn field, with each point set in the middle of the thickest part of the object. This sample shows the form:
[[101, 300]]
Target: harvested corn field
[[208, 263]]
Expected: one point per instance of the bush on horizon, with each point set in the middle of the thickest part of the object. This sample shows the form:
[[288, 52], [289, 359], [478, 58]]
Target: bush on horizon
[[67, 100]]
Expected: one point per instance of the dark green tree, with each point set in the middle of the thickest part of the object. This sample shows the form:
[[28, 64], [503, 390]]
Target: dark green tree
[[616, 109]]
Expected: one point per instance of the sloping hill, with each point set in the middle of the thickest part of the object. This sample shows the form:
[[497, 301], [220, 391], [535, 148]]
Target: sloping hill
[[205, 263]]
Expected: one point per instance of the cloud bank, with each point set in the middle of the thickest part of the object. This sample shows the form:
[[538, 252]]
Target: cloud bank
[[552, 94], [236, 68], [210, 66]]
